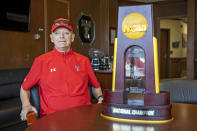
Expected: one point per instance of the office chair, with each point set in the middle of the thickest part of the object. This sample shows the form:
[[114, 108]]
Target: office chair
[[181, 90]]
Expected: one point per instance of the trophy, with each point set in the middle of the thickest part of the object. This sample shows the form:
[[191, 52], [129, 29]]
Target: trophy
[[135, 94]]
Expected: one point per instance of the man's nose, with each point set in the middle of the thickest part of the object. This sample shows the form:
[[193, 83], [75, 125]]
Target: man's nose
[[62, 34]]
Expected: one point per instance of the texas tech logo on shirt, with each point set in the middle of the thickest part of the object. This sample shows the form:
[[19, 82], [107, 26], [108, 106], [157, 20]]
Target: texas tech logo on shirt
[[53, 69], [77, 68]]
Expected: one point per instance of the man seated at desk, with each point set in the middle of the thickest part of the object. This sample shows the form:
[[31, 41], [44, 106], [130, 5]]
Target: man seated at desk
[[61, 74]]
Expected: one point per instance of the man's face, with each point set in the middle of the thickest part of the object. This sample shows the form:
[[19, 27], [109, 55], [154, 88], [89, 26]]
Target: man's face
[[62, 38]]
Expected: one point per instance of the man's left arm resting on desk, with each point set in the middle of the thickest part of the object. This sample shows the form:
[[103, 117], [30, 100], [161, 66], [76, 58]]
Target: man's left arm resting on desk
[[97, 92]]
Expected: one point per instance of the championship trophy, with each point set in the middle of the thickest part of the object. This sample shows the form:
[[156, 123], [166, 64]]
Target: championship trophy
[[135, 95]]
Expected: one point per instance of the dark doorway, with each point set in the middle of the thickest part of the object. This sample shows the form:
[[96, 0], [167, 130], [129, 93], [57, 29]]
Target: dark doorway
[[164, 53]]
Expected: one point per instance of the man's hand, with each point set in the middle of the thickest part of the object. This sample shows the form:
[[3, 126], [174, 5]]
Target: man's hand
[[100, 100], [27, 109]]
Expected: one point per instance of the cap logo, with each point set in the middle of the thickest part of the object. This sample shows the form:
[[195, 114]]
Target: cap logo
[[61, 22]]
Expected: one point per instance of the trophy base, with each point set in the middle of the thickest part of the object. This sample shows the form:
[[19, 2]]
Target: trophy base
[[155, 109], [136, 120]]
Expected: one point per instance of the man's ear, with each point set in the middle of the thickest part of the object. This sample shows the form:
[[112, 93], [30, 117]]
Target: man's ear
[[73, 37], [51, 38]]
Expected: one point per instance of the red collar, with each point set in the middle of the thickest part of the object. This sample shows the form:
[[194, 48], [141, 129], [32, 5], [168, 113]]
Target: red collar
[[62, 53]]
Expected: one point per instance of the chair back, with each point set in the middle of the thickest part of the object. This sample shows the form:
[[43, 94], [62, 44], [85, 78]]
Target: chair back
[[35, 99], [181, 90]]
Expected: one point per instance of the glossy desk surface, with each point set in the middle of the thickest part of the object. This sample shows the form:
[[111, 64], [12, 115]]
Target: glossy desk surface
[[87, 118]]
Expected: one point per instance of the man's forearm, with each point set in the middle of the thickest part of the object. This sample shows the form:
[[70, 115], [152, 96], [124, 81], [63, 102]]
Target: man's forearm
[[97, 92], [25, 95]]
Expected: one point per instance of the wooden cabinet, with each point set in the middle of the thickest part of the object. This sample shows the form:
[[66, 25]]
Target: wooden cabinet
[[105, 79], [177, 67]]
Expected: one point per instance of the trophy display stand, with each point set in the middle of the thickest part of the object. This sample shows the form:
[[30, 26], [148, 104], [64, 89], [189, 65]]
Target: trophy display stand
[[135, 95]]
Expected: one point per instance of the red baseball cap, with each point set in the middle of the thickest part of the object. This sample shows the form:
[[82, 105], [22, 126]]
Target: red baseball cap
[[61, 22]]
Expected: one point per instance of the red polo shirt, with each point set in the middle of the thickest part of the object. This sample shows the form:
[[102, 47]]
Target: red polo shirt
[[63, 80]]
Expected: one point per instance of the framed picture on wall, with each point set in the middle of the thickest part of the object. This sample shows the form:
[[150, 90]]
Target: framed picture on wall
[[86, 29], [175, 44], [112, 35]]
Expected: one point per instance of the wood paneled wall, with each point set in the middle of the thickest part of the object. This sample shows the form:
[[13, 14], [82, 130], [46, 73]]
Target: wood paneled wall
[[105, 79], [92, 8], [113, 20], [192, 38], [18, 49]]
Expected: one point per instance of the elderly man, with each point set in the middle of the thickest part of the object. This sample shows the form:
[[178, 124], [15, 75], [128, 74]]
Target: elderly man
[[62, 75]]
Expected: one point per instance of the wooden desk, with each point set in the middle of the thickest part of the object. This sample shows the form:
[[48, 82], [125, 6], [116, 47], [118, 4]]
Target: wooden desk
[[87, 118]]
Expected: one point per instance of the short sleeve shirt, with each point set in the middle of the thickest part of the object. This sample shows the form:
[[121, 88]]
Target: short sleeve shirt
[[63, 80]]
